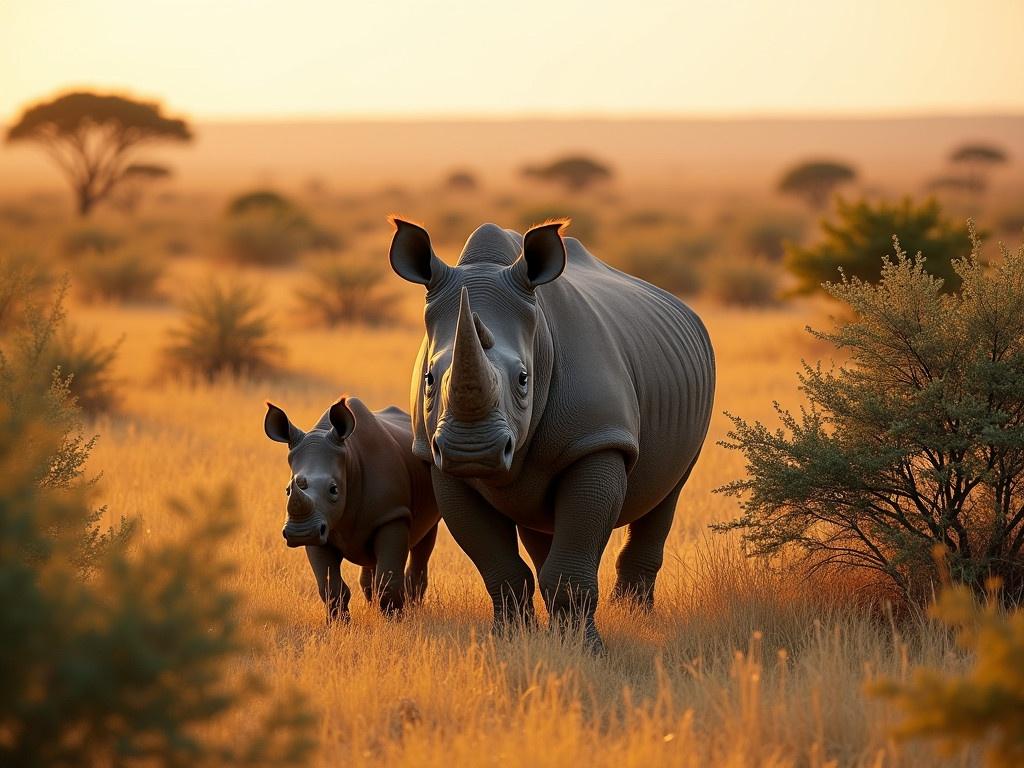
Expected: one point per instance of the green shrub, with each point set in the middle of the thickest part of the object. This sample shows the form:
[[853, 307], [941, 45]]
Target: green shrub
[[862, 233], [119, 276], [225, 330], [344, 290], [767, 235], [87, 363], [745, 283], [982, 706], [918, 440], [264, 228], [113, 652], [89, 240], [22, 280]]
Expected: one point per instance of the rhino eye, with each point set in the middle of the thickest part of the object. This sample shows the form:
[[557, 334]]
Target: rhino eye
[[524, 378], [429, 379], [333, 490]]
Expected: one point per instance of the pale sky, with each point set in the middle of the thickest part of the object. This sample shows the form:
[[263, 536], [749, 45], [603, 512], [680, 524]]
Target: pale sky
[[334, 58]]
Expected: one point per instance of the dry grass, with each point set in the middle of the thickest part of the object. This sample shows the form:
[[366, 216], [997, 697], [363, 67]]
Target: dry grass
[[704, 680], [739, 664]]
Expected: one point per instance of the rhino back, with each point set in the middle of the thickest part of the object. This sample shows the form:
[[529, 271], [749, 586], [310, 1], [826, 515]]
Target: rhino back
[[634, 370]]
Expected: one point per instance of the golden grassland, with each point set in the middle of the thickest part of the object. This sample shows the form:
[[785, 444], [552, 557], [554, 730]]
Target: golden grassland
[[740, 664]]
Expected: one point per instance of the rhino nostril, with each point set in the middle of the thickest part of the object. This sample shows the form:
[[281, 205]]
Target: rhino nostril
[[506, 453], [323, 529]]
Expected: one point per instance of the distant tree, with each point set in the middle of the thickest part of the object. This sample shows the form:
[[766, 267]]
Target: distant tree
[[978, 160], [574, 172], [135, 179], [265, 228], [916, 441], [461, 181], [815, 181], [92, 138], [862, 233]]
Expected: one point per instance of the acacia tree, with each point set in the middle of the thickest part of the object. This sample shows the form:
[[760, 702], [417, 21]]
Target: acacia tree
[[977, 159], [815, 181], [574, 172], [92, 138], [917, 441]]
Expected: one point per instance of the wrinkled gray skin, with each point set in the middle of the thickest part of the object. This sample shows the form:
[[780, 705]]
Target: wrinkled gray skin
[[357, 493], [558, 405]]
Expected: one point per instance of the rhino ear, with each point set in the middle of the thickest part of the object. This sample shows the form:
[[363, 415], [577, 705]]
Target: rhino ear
[[412, 256], [543, 253], [279, 428], [343, 421]]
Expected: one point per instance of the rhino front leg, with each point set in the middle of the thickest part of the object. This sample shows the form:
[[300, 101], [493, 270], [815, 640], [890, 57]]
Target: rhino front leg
[[326, 564], [588, 501], [416, 571], [391, 548], [366, 581], [489, 538]]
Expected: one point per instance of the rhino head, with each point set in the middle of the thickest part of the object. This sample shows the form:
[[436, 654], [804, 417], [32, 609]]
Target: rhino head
[[486, 360], [317, 489]]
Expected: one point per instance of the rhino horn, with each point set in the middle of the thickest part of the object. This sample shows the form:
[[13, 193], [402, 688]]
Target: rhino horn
[[300, 506], [472, 387]]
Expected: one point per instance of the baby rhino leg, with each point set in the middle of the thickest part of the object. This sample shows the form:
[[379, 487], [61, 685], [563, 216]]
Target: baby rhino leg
[[416, 571], [326, 564], [366, 582]]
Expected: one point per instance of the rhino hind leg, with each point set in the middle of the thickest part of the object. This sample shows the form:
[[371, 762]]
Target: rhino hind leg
[[416, 570], [641, 557]]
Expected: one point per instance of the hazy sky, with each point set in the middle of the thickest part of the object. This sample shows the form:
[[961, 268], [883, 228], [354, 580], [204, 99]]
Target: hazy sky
[[284, 58]]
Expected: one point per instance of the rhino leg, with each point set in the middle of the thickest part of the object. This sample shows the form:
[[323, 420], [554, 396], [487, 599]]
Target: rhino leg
[[489, 538], [642, 555], [326, 564], [366, 581], [391, 548], [537, 544], [588, 501], [416, 570]]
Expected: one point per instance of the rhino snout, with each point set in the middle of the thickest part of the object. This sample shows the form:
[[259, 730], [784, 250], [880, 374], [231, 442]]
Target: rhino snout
[[305, 533], [469, 453]]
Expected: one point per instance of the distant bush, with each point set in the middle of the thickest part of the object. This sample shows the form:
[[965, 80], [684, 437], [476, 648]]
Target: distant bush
[[584, 225], [767, 235], [114, 652], [666, 268], [862, 233], [461, 181], [574, 172], [342, 290], [264, 228], [744, 283], [225, 330], [814, 181], [645, 217], [87, 364], [918, 440], [89, 240], [984, 705], [119, 276]]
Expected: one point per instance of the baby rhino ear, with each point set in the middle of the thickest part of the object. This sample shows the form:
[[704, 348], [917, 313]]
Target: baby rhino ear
[[279, 428], [343, 421]]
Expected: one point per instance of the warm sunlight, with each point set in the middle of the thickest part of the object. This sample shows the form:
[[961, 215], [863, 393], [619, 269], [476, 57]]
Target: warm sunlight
[[264, 58]]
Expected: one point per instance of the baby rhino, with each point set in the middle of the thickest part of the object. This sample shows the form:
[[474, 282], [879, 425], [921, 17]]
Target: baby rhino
[[357, 493]]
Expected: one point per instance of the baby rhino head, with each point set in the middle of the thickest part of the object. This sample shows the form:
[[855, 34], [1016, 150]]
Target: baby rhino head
[[316, 490]]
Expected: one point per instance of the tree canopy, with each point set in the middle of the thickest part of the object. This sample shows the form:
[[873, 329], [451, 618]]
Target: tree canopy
[[861, 233], [92, 138], [814, 181], [987, 154], [574, 172], [916, 442]]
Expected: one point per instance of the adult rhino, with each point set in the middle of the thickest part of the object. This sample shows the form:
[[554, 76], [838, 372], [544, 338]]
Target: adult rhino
[[561, 405]]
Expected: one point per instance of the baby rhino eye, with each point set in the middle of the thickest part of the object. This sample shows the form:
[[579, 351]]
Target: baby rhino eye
[[429, 379], [333, 490]]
